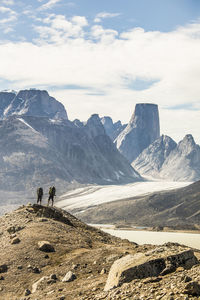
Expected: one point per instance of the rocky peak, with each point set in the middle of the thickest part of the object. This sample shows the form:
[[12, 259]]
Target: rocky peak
[[142, 130], [78, 123], [187, 143], [112, 129], [150, 161], [34, 102], [94, 126]]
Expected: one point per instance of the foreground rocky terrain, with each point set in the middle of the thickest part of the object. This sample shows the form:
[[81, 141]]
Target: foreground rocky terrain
[[46, 253]]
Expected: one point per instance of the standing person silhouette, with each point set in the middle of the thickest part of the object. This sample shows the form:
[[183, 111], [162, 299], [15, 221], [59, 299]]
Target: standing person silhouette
[[52, 193], [39, 195]]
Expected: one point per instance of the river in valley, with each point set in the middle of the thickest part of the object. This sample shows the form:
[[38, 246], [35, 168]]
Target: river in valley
[[157, 238]]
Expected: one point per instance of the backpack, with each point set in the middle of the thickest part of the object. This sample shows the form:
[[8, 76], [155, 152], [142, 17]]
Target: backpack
[[40, 191], [53, 190]]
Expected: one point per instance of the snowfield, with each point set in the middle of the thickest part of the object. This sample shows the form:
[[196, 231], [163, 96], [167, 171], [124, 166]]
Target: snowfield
[[83, 198]]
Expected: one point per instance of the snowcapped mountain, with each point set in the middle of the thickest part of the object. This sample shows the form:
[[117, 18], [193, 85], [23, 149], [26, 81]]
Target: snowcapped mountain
[[150, 161], [112, 129], [141, 131], [32, 103], [164, 159]]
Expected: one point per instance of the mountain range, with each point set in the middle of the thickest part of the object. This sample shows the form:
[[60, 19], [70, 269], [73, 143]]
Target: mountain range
[[40, 146]]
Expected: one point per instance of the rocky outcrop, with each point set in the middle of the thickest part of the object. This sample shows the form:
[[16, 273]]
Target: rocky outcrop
[[142, 130], [151, 160], [139, 266], [31, 102], [112, 129]]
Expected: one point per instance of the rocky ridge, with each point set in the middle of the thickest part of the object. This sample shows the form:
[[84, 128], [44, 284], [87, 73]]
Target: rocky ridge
[[151, 160], [164, 159], [82, 256]]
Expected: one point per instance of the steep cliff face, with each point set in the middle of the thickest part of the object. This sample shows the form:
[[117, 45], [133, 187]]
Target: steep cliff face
[[150, 161], [183, 163], [6, 98], [32, 103], [112, 129], [142, 130]]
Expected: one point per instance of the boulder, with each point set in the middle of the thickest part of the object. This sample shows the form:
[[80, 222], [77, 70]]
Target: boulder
[[192, 288], [140, 266], [37, 285], [70, 276], [3, 268], [16, 240], [45, 246]]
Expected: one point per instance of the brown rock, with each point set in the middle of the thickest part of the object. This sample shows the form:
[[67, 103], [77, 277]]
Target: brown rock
[[192, 288], [45, 246]]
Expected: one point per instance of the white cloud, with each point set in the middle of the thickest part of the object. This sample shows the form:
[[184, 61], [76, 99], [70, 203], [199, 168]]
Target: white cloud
[[105, 35], [9, 16], [8, 2], [49, 4], [58, 29], [101, 60], [104, 15]]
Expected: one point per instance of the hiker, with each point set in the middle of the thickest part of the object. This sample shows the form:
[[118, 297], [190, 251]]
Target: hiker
[[39, 195], [52, 193]]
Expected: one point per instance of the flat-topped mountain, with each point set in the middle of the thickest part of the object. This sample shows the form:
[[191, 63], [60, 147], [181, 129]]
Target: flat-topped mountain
[[142, 130]]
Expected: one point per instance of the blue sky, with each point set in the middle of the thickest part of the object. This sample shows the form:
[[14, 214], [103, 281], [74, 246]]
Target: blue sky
[[106, 56]]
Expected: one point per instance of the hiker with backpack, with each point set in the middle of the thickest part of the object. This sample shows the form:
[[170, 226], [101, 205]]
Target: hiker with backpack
[[52, 193], [39, 195]]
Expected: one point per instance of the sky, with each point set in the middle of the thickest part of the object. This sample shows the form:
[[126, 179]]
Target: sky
[[105, 56]]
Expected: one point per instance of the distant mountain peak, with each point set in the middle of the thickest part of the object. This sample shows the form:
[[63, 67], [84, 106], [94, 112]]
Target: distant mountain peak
[[94, 126], [31, 102]]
